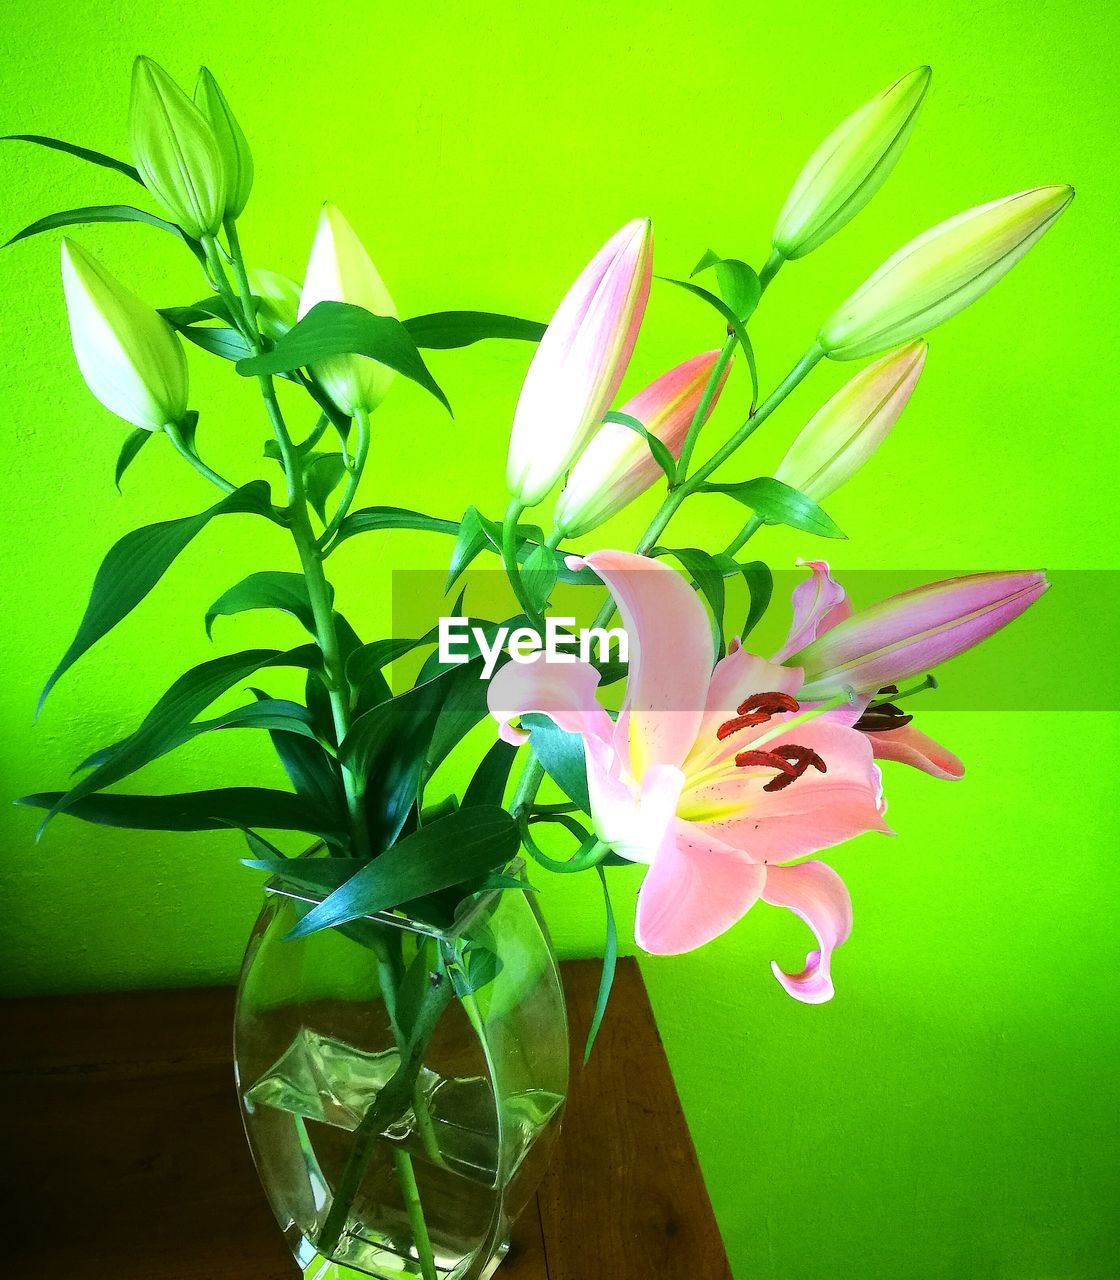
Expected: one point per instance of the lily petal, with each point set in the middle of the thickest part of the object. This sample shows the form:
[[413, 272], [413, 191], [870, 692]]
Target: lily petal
[[696, 889], [819, 603], [910, 746], [565, 692], [817, 894], [671, 655]]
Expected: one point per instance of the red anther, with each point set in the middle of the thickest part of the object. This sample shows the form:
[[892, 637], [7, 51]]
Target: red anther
[[756, 710], [771, 703], [767, 759], [790, 760]]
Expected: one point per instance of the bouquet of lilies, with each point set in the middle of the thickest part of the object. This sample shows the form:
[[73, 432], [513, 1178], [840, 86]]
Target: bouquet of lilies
[[720, 770]]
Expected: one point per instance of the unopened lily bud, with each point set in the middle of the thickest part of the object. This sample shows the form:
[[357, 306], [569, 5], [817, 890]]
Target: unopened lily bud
[[279, 301], [940, 273], [340, 270], [850, 165], [175, 150], [913, 632], [129, 355], [233, 147], [841, 436], [579, 364], [617, 465]]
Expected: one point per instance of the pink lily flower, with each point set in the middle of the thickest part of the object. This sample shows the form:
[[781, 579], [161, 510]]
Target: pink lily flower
[[715, 775], [579, 364], [907, 634]]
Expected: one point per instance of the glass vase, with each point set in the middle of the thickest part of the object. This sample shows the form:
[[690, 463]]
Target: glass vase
[[401, 1084]]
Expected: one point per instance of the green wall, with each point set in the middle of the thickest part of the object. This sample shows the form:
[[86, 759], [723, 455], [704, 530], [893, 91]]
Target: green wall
[[952, 1113]]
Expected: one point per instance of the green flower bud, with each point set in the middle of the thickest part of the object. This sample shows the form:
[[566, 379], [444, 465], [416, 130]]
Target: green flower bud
[[850, 165], [175, 150], [233, 147], [940, 273], [129, 355]]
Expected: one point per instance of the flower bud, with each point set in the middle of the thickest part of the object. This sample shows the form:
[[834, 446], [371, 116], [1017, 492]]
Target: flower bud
[[617, 465], [129, 355], [175, 150], [579, 364], [279, 301], [841, 436], [233, 147], [850, 165], [940, 273], [913, 632], [340, 270]]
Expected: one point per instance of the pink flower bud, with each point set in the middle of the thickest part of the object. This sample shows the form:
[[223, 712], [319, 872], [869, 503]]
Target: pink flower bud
[[580, 362]]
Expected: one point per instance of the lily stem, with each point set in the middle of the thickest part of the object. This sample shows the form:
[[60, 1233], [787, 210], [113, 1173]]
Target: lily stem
[[175, 435]]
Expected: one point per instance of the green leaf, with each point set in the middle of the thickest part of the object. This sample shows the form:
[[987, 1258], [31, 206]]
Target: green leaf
[[162, 728], [226, 343], [136, 563], [488, 786], [268, 589], [660, 450], [708, 576], [365, 662], [467, 843], [478, 966], [266, 713], [373, 519], [83, 153], [340, 328], [778, 503], [211, 308], [561, 754], [198, 811], [539, 575], [443, 330], [387, 746], [712, 301], [310, 768], [471, 539], [103, 213], [312, 875], [738, 283], [322, 474], [760, 584], [610, 961], [464, 706], [133, 443]]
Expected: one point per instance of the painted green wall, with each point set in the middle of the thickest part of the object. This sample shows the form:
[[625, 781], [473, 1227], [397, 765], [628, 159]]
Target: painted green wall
[[952, 1113]]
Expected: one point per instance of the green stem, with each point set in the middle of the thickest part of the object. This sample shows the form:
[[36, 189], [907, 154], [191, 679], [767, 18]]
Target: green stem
[[771, 268], [354, 475], [377, 1116], [512, 568], [390, 1103], [744, 535], [181, 446], [406, 1176], [793, 379], [676, 497], [703, 408], [318, 590]]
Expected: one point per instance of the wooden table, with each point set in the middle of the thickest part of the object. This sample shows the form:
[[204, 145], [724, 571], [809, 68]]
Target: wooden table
[[124, 1157]]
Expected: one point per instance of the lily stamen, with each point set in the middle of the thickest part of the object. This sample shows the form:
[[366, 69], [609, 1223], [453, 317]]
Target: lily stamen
[[756, 710], [791, 761]]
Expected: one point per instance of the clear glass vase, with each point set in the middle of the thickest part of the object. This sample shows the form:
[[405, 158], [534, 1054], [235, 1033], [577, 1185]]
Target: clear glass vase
[[401, 1084]]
